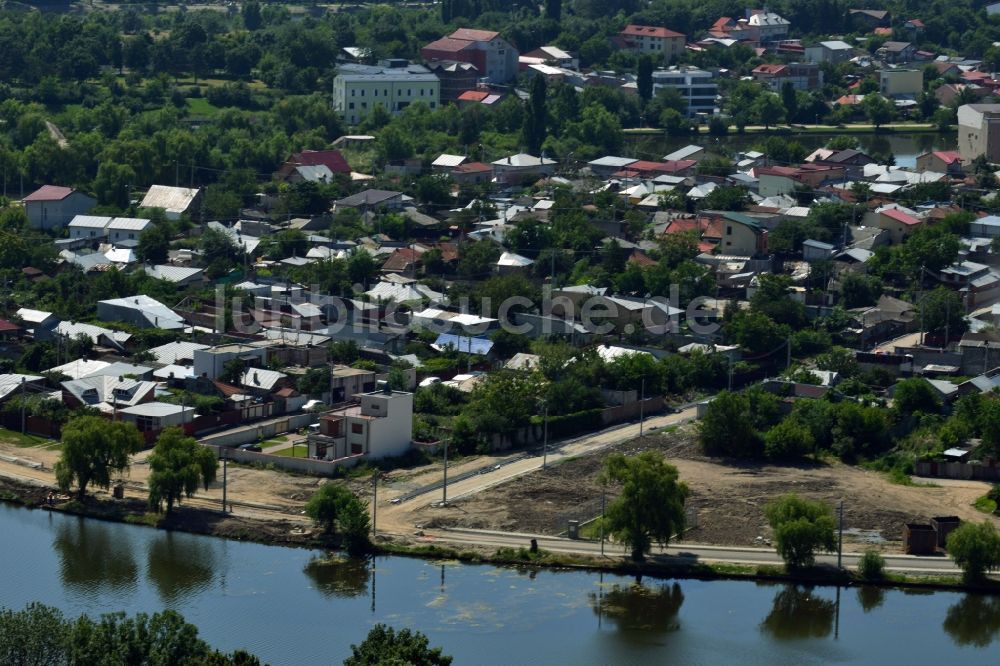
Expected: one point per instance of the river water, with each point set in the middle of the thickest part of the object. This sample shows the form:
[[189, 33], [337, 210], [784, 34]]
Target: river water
[[277, 603]]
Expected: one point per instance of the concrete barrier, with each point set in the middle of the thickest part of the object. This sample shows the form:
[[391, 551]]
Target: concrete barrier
[[260, 431], [302, 465]]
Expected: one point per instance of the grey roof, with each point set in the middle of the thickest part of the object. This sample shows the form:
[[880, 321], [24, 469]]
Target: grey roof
[[72, 329], [12, 382], [819, 245], [171, 199], [315, 172], [173, 273], [296, 338], [156, 409], [684, 153], [172, 352], [120, 369], [368, 198], [261, 378], [612, 161], [108, 390], [90, 221], [128, 224]]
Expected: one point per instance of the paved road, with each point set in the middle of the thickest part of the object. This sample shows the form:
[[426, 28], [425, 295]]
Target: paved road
[[677, 552]]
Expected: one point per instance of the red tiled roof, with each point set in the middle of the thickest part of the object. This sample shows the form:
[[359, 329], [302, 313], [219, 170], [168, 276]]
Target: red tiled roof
[[49, 193], [706, 246], [680, 226], [449, 45], [8, 326], [770, 69], [227, 390], [472, 167], [883, 31], [673, 166], [788, 172], [723, 23], [849, 100], [916, 23], [900, 216], [473, 35], [633, 30], [473, 96], [948, 156], [714, 229], [331, 159], [641, 258], [401, 259]]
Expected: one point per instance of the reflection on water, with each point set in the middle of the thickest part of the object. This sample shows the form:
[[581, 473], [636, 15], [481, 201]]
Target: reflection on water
[[638, 609], [339, 576], [93, 558], [797, 613], [180, 567], [870, 597], [975, 620]]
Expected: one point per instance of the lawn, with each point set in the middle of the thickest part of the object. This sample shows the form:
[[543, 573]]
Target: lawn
[[199, 106], [295, 451], [23, 441], [985, 504]]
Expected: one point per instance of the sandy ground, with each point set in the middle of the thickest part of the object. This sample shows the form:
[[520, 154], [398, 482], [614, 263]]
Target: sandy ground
[[726, 499]]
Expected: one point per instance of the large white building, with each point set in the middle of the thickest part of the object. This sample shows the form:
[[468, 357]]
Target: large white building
[[770, 26], [394, 85], [379, 425], [697, 86]]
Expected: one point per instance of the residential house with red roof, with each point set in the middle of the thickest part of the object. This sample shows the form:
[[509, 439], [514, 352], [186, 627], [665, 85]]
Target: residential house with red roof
[[651, 39], [327, 161], [802, 76], [899, 222], [52, 206], [775, 180], [472, 173], [492, 55], [941, 161]]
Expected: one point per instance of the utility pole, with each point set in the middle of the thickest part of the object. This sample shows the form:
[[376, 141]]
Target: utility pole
[[840, 538], [545, 438], [374, 501], [788, 353], [642, 405], [24, 387], [604, 494], [225, 478], [444, 488]]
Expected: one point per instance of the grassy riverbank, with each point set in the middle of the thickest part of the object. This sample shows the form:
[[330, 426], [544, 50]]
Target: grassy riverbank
[[288, 533]]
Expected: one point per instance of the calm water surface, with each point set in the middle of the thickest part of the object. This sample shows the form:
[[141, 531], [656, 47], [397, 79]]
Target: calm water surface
[[279, 604]]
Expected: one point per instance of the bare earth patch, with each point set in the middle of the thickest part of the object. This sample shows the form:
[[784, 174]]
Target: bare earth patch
[[729, 497]]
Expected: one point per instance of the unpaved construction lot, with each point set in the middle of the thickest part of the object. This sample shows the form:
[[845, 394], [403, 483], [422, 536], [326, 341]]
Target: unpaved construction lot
[[727, 498]]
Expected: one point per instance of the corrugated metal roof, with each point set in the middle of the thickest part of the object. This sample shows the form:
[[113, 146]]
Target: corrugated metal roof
[[128, 224], [464, 344], [90, 221], [171, 199]]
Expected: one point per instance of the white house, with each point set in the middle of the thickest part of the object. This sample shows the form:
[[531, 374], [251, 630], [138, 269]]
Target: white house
[[358, 89], [175, 201], [89, 226], [379, 425], [126, 228], [141, 311]]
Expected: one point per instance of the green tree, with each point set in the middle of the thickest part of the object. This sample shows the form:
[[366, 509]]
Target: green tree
[[727, 198], [553, 10], [800, 528], [916, 395], [333, 506], [788, 439], [727, 427], [94, 450], [154, 243], [767, 110], [251, 15], [177, 466], [940, 309], [35, 636], [535, 129], [975, 547], [650, 507], [871, 566], [878, 110], [644, 77], [384, 646]]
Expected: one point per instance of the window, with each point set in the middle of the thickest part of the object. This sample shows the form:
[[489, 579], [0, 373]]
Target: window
[[364, 105], [351, 105], [356, 449], [421, 92], [362, 92], [352, 92], [385, 93], [376, 92], [357, 429], [432, 105], [729, 231], [131, 236], [502, 51]]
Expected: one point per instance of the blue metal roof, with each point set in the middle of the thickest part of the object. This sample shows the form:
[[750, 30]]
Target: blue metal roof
[[463, 343]]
